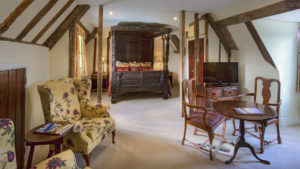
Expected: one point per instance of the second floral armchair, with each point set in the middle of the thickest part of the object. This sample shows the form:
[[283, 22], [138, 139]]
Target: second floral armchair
[[69, 100]]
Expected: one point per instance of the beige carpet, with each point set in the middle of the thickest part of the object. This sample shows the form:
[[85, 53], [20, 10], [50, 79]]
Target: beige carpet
[[149, 132]]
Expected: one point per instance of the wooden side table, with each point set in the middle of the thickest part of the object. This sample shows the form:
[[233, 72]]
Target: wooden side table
[[33, 139]]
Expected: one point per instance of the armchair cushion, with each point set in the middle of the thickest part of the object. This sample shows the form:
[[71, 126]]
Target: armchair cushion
[[95, 127], [7, 144], [95, 110], [63, 100], [64, 160]]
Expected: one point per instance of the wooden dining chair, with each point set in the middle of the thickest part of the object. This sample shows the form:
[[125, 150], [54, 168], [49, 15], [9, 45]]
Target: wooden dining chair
[[198, 116], [266, 96]]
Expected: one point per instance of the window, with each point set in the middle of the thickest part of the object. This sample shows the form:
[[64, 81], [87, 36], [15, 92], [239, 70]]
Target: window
[[80, 55]]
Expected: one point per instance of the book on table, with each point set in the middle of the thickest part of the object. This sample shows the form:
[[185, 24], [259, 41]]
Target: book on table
[[54, 129], [248, 111]]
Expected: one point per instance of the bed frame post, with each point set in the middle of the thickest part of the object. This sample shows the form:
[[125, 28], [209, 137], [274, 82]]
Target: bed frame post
[[166, 72]]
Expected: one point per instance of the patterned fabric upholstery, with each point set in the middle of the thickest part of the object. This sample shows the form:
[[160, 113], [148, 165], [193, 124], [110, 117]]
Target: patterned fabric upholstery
[[92, 121], [60, 100], [7, 145], [64, 160]]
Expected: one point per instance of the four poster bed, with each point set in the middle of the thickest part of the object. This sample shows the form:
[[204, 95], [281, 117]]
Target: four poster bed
[[132, 60]]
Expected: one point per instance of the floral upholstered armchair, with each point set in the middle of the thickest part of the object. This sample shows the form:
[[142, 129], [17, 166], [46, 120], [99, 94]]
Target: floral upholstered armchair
[[7, 145], [64, 160], [69, 100]]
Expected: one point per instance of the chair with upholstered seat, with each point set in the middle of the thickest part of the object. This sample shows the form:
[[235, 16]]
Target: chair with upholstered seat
[[69, 100], [266, 97], [198, 116]]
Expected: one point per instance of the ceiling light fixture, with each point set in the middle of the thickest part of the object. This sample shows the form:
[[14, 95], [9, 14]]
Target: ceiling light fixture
[[175, 18], [110, 12]]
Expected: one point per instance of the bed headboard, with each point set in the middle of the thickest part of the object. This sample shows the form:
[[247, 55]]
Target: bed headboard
[[130, 46]]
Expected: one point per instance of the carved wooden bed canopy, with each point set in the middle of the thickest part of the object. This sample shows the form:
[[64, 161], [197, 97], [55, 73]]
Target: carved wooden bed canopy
[[133, 44]]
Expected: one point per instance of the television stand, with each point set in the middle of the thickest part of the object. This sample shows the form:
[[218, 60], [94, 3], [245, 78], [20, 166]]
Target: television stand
[[224, 92]]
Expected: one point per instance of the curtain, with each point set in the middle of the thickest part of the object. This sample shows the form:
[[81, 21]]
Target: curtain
[[298, 66], [80, 54]]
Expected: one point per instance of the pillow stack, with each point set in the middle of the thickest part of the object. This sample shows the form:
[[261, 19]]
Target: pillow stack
[[133, 66]]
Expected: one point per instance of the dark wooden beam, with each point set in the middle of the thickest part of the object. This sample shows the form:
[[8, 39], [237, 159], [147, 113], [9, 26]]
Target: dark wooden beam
[[223, 34], [52, 21], [72, 50], [182, 54], [260, 44], [196, 47], [4, 26], [36, 19], [73, 17], [95, 56], [107, 52], [100, 64], [87, 32], [269, 10], [206, 41], [91, 35], [14, 40]]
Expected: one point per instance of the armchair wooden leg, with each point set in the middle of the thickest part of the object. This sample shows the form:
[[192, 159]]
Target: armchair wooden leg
[[184, 132], [223, 132], [211, 139], [87, 158], [262, 134], [195, 131], [234, 128], [113, 136], [278, 133], [255, 128]]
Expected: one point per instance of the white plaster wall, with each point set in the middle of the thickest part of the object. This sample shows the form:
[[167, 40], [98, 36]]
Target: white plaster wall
[[281, 40], [59, 58], [36, 61]]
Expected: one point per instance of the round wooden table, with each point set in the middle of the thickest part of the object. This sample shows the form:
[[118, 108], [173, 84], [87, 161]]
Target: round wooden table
[[226, 108], [33, 139]]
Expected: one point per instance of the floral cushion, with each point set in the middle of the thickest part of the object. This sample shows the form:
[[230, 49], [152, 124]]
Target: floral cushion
[[59, 100], [64, 160], [94, 127], [7, 145]]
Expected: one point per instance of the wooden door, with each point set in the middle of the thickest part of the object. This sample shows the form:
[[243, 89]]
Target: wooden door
[[192, 60], [12, 105]]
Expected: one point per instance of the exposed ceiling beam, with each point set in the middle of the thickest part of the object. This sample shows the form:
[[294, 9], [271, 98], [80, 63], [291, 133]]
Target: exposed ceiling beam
[[223, 34], [91, 35], [14, 40], [269, 10], [52, 21], [260, 44], [36, 19], [4, 26], [73, 17]]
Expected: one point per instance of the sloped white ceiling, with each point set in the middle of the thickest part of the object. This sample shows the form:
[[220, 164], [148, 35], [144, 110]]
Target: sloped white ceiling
[[161, 11]]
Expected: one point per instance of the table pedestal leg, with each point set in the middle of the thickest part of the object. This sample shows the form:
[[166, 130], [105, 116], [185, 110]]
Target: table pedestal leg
[[242, 143], [29, 161]]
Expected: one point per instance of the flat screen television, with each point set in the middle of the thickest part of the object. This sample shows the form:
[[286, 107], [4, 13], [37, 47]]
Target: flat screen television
[[216, 72]]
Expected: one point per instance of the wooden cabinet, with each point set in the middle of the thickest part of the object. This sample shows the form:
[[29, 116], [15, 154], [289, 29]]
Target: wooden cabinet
[[12, 105], [222, 93]]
